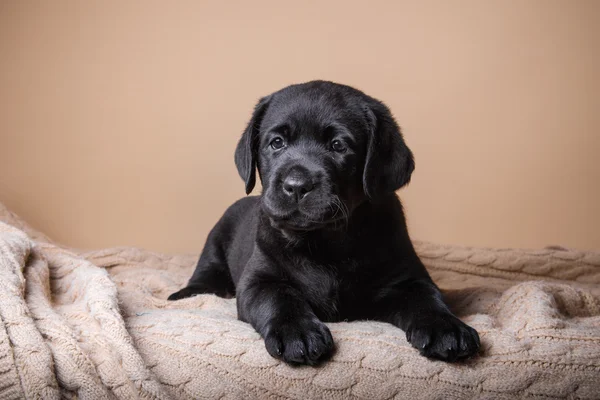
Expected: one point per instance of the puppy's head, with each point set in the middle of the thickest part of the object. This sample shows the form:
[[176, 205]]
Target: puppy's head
[[321, 149]]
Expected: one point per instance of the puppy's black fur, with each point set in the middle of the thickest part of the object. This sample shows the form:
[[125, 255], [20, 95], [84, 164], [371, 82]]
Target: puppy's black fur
[[327, 239]]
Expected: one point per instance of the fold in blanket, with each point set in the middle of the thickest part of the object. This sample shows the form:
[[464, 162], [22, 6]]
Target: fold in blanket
[[96, 325]]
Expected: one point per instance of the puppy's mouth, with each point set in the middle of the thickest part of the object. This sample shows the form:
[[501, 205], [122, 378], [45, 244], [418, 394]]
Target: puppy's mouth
[[298, 221], [309, 226], [297, 225]]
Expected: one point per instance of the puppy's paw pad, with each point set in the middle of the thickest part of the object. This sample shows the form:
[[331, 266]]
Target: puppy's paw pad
[[306, 341], [444, 337]]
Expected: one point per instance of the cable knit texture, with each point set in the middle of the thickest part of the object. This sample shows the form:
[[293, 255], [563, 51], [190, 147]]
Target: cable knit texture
[[96, 325]]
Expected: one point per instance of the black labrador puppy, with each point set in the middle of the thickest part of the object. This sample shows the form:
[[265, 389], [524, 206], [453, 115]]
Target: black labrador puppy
[[327, 239]]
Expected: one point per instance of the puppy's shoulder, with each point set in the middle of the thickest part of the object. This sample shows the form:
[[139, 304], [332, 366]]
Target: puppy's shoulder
[[240, 216], [242, 206]]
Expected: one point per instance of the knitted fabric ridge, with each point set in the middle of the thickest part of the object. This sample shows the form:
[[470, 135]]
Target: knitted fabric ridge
[[96, 325]]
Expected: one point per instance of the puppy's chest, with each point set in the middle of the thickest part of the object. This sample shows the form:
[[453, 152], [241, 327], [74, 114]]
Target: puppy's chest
[[334, 290]]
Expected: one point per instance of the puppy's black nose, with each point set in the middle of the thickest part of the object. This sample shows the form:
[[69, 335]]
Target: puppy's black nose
[[297, 186]]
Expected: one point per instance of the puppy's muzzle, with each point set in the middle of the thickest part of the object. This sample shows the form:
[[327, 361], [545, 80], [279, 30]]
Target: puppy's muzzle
[[297, 184]]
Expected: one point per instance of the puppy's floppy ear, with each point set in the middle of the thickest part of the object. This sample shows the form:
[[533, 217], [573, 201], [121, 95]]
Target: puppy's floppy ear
[[246, 152], [389, 162]]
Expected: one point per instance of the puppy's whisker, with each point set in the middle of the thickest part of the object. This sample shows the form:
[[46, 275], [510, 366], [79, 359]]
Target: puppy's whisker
[[341, 208]]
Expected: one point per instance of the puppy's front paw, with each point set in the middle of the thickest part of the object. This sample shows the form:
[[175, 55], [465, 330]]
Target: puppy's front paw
[[443, 337], [305, 341]]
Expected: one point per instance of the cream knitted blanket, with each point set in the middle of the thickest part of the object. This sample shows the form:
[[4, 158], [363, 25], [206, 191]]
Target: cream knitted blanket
[[97, 325]]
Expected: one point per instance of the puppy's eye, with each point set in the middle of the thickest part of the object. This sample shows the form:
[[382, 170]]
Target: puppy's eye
[[338, 146], [277, 143]]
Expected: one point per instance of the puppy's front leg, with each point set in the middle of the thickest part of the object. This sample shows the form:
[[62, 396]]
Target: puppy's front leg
[[417, 307], [285, 320]]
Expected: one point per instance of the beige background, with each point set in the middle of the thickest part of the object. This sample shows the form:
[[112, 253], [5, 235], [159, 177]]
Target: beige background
[[118, 120]]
